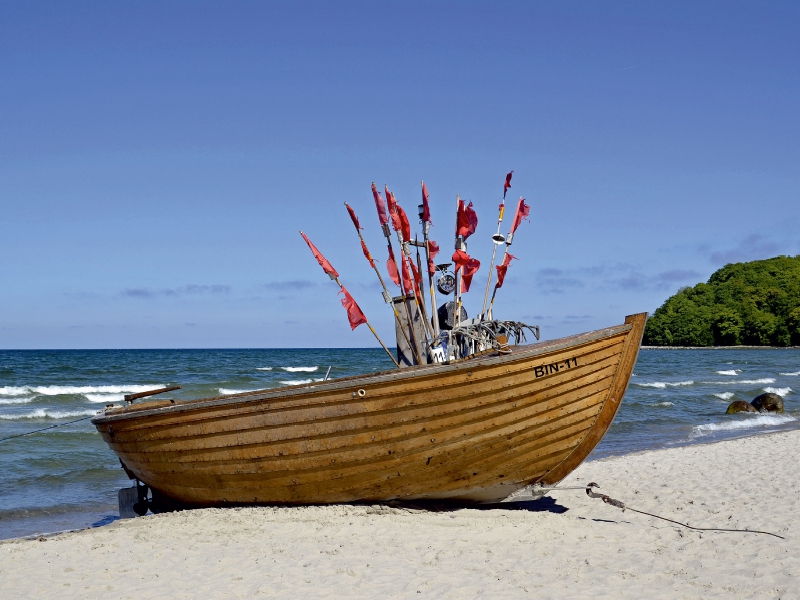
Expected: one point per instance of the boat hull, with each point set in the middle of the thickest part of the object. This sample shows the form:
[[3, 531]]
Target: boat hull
[[478, 430]]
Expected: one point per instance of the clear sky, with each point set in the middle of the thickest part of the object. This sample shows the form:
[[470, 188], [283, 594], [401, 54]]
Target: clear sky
[[158, 159]]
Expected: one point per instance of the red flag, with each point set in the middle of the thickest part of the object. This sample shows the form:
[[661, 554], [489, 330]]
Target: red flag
[[466, 220], [408, 280], [501, 269], [379, 204], [367, 254], [417, 278], [391, 266], [405, 226], [433, 250], [353, 216], [507, 184], [460, 258], [397, 223], [523, 210], [326, 266], [426, 210], [354, 314], [472, 266]]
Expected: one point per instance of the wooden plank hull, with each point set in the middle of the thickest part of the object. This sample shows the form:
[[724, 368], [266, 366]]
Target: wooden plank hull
[[478, 430]]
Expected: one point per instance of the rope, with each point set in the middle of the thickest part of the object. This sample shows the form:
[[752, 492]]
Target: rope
[[11, 437], [622, 506]]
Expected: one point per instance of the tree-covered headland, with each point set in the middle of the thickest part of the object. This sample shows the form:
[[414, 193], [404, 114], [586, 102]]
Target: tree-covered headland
[[754, 304]]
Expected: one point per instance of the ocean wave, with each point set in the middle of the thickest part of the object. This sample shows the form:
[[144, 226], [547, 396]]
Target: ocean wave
[[302, 381], [724, 395], [228, 391], [663, 404], [779, 391], [263, 368], [14, 391], [741, 381], [664, 384], [795, 374], [729, 372], [46, 413], [746, 423], [58, 390], [300, 369], [16, 400], [105, 397]]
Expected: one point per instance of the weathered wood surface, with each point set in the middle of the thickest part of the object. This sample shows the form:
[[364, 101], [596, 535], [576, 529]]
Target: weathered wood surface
[[477, 430]]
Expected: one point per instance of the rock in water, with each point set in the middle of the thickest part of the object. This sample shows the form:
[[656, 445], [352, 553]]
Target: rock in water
[[740, 406], [768, 403]]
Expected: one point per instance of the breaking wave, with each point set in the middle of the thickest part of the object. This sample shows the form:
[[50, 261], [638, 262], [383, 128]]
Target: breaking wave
[[228, 391], [105, 397], [46, 413], [740, 381], [796, 373], [725, 395], [746, 423], [14, 391], [664, 384], [779, 391], [729, 372], [300, 369], [302, 381], [263, 368], [663, 404], [15, 400]]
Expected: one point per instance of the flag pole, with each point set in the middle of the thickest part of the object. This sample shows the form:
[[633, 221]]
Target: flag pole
[[386, 295], [523, 209], [422, 291], [457, 294], [388, 234], [426, 225], [497, 238], [331, 272], [375, 333]]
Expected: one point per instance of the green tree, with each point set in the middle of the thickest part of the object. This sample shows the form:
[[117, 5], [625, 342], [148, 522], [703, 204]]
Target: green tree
[[755, 303]]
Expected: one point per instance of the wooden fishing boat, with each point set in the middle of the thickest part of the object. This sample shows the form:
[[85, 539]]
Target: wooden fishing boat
[[478, 430]]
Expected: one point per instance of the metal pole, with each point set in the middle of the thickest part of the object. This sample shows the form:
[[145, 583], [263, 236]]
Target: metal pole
[[496, 239]]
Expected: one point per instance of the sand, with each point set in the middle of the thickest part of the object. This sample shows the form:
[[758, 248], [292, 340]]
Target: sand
[[565, 546]]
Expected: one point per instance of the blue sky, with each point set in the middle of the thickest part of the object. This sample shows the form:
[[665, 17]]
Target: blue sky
[[158, 159]]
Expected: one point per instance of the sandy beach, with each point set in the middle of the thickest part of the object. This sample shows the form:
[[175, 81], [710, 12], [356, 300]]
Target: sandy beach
[[566, 545]]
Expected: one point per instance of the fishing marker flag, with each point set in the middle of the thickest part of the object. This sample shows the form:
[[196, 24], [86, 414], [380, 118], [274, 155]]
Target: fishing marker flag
[[501, 269], [433, 250], [323, 262], [405, 226], [523, 210], [354, 314], [391, 266], [353, 216], [379, 204], [466, 220], [470, 267], [507, 184], [426, 210]]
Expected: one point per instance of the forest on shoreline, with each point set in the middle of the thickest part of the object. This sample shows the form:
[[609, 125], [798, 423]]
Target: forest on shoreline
[[754, 304]]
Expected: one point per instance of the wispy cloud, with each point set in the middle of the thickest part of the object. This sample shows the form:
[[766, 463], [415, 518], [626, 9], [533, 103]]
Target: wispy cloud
[[554, 281], [753, 247], [292, 284], [190, 289]]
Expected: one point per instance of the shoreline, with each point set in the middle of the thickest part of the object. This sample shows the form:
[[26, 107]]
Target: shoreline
[[566, 544]]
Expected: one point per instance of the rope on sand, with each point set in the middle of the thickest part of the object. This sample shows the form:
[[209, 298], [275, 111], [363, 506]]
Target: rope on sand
[[622, 506]]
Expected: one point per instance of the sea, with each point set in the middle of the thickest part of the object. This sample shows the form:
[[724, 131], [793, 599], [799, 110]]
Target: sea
[[66, 477]]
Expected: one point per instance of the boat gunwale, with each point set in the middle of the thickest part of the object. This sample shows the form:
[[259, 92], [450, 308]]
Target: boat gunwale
[[519, 353]]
